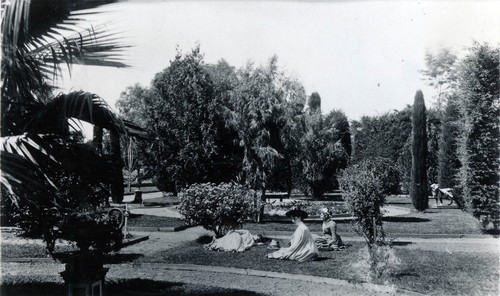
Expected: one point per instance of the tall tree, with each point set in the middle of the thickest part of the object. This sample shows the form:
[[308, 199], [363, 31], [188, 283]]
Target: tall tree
[[257, 109], [479, 91], [182, 116], [419, 186], [440, 73], [325, 150], [314, 103], [448, 161]]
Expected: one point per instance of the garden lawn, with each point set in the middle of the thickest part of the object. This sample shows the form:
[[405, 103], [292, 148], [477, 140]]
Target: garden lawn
[[429, 272], [136, 220], [432, 222], [123, 287]]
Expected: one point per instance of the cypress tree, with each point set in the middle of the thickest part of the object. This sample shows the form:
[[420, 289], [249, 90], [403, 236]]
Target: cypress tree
[[448, 162], [418, 183], [314, 103], [479, 153]]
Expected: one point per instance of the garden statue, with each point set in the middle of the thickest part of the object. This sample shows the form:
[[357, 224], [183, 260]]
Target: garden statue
[[302, 247], [439, 193]]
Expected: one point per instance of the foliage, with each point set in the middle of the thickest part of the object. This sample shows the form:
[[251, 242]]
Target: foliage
[[265, 110], [218, 208], [440, 73], [418, 184], [310, 207], [314, 103], [325, 149], [448, 162], [365, 185], [91, 229], [479, 91], [433, 131], [388, 136], [44, 164], [184, 120], [381, 261]]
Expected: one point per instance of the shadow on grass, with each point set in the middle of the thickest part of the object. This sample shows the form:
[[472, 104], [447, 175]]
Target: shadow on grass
[[404, 219], [321, 259], [125, 287], [121, 258], [204, 239], [401, 243]]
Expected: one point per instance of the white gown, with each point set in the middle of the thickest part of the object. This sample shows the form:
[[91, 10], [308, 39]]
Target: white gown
[[233, 241], [302, 246]]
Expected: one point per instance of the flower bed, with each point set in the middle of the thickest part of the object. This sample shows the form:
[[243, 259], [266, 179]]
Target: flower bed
[[279, 209]]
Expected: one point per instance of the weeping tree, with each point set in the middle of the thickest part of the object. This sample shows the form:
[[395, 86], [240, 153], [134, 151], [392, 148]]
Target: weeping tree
[[418, 183]]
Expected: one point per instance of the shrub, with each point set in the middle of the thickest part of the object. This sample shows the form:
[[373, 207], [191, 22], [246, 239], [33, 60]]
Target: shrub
[[218, 208], [91, 229], [478, 150], [365, 186]]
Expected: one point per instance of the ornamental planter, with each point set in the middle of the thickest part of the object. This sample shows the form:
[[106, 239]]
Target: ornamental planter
[[84, 274]]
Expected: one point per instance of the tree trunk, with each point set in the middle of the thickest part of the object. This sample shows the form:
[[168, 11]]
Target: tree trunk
[[260, 218], [97, 139], [117, 189], [418, 183]]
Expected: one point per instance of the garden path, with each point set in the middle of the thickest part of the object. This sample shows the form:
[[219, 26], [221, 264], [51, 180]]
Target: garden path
[[270, 283]]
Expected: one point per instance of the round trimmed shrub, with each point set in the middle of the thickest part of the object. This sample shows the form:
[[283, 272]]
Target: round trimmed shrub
[[218, 208]]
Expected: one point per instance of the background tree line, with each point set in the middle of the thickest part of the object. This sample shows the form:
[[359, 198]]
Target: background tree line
[[462, 130], [216, 123]]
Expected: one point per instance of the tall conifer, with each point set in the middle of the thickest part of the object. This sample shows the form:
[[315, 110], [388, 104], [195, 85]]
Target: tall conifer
[[418, 184]]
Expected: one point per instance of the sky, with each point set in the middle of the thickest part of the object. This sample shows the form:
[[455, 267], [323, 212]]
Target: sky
[[363, 57]]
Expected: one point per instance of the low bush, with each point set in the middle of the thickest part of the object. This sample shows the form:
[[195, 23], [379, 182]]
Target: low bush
[[312, 208], [218, 208]]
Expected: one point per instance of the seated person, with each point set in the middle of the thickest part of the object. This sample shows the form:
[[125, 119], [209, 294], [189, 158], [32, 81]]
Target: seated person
[[234, 241], [330, 240], [302, 247]]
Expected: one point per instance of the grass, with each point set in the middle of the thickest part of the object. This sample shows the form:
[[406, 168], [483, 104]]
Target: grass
[[429, 272], [136, 220], [124, 287], [432, 221]]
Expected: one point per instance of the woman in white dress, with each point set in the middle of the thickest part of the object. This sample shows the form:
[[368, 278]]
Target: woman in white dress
[[234, 241], [302, 247]]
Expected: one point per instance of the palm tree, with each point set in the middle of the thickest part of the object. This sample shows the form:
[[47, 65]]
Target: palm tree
[[38, 145]]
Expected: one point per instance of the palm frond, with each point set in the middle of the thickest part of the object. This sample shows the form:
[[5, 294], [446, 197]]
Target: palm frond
[[28, 147], [19, 173], [85, 106], [134, 130], [38, 36]]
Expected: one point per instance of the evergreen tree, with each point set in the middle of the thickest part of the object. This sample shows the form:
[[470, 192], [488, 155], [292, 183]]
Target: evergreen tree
[[418, 185], [448, 162], [314, 103], [479, 91]]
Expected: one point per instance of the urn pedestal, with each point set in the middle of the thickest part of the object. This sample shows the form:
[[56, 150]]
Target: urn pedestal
[[84, 275]]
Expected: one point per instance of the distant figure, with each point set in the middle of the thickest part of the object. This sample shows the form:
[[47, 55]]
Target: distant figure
[[438, 194], [302, 246], [234, 241], [330, 240]]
